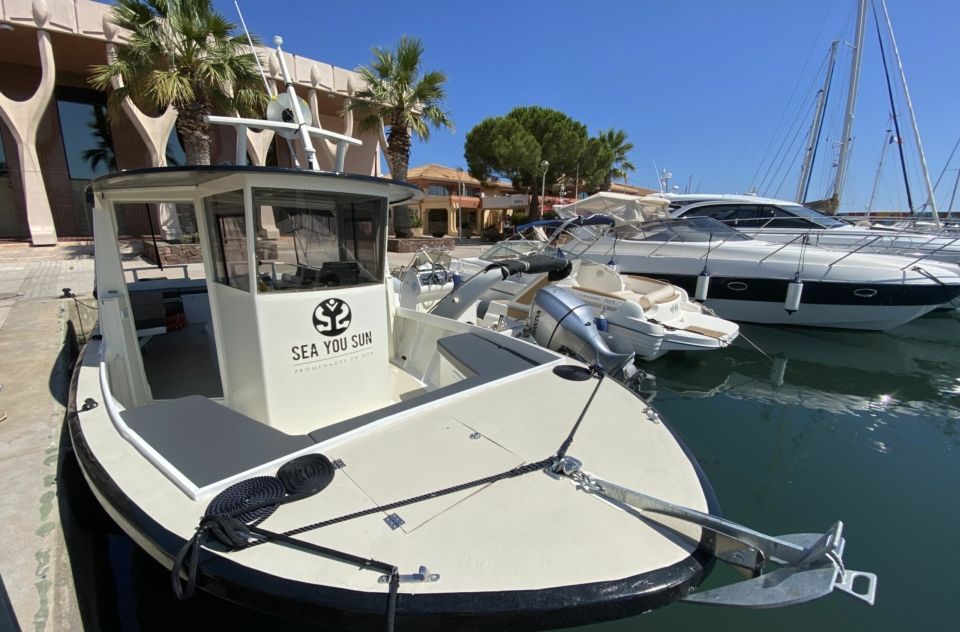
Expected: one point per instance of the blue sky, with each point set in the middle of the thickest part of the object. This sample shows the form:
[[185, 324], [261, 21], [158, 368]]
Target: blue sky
[[719, 93]]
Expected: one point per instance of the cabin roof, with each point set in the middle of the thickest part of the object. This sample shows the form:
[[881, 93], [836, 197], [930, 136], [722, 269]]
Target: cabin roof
[[198, 175]]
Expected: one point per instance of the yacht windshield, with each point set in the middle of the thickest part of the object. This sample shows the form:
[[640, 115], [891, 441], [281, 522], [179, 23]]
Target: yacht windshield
[[815, 216], [320, 239], [693, 229]]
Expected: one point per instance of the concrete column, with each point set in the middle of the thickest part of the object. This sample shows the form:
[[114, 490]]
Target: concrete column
[[23, 120], [155, 133]]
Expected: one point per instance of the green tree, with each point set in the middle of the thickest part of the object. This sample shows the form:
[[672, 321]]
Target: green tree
[[514, 146], [616, 149], [182, 53], [408, 101]]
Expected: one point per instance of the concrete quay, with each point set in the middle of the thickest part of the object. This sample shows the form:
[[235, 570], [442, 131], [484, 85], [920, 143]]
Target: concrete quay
[[34, 374]]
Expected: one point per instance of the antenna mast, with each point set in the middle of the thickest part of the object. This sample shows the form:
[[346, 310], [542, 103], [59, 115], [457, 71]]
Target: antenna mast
[[253, 50]]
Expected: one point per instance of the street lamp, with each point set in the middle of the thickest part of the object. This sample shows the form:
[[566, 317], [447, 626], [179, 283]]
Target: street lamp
[[543, 183], [459, 195]]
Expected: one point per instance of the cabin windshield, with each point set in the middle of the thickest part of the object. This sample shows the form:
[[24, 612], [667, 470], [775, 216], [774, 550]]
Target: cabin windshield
[[824, 220], [323, 240], [693, 229]]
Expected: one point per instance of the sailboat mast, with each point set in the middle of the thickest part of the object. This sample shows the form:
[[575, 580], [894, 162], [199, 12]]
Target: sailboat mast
[[887, 139], [814, 138], [913, 118], [846, 138]]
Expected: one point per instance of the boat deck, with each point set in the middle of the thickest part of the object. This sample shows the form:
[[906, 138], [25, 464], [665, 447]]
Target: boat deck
[[181, 363]]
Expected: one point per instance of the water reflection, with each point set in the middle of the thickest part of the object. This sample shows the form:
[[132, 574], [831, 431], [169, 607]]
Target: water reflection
[[912, 370]]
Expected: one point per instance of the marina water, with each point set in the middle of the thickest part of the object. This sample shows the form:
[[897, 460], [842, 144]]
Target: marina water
[[857, 426]]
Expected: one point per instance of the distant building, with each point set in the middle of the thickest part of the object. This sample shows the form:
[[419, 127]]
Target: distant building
[[55, 136], [481, 207]]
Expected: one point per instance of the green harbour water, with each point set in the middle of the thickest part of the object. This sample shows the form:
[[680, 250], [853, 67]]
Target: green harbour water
[[856, 426]]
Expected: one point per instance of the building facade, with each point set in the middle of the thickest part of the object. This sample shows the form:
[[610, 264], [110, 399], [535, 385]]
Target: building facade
[[55, 135], [453, 197]]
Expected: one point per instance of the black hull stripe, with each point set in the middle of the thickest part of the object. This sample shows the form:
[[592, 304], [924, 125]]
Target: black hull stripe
[[501, 610], [814, 292]]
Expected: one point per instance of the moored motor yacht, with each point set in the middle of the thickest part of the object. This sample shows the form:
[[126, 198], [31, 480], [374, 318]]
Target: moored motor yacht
[[748, 280], [781, 221]]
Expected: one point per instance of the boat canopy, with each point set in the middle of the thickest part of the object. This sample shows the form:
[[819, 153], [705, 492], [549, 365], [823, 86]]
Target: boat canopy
[[686, 230], [623, 207]]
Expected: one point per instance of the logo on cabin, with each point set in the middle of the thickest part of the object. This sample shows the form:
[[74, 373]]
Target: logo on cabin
[[332, 317]]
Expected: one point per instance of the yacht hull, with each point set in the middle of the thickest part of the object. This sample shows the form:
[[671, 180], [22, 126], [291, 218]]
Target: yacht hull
[[823, 304]]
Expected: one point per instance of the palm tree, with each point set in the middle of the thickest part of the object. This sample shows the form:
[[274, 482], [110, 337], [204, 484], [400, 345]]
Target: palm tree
[[182, 53], [616, 145], [397, 94]]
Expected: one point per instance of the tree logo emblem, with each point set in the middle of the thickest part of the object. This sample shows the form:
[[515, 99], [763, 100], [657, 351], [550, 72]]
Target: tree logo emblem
[[332, 317]]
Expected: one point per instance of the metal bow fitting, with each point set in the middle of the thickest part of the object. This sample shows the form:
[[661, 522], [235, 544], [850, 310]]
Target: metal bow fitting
[[810, 565]]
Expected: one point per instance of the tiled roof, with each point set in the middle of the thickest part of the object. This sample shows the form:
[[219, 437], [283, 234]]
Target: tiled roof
[[619, 187]]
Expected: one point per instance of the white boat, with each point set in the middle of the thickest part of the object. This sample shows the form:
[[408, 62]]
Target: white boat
[[361, 464], [747, 280], [641, 314], [781, 221]]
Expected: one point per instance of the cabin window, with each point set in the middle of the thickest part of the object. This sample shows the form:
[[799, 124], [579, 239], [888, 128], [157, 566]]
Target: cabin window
[[228, 239], [321, 239]]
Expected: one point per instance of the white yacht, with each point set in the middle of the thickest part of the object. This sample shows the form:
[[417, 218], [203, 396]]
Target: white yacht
[[781, 221], [748, 280]]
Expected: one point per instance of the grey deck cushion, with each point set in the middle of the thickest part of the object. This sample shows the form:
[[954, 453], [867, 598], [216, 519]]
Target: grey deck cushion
[[208, 442], [481, 356], [327, 432], [491, 355]]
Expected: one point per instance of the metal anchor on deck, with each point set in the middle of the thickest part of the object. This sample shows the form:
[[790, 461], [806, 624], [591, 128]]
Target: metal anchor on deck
[[810, 565]]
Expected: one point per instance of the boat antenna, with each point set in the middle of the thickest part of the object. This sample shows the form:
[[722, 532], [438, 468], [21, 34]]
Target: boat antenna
[[657, 173], [266, 84], [893, 114]]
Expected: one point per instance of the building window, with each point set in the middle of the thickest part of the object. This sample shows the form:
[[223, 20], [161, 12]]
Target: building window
[[437, 189], [175, 154], [472, 191], [87, 139], [4, 170]]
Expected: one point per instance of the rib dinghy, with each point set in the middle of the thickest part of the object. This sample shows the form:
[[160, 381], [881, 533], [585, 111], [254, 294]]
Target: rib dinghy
[[295, 441]]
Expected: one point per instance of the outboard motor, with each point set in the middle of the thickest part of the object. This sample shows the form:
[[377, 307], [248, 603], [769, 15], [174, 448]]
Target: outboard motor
[[560, 320], [457, 302]]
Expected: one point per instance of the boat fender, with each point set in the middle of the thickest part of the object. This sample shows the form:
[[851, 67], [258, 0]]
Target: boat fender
[[703, 287], [601, 322], [562, 273], [794, 293]]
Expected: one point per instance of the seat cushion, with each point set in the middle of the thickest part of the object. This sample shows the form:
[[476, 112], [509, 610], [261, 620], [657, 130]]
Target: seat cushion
[[208, 442]]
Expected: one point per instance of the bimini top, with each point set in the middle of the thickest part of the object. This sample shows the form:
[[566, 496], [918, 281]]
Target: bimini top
[[193, 176]]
